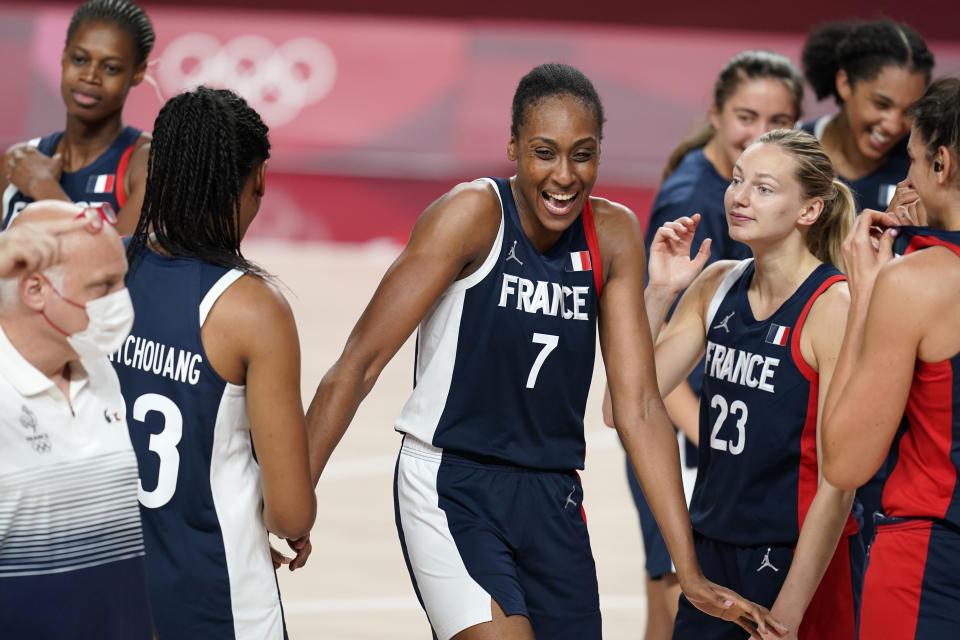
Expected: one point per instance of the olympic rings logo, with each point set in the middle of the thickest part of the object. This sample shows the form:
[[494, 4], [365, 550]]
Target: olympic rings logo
[[279, 82]]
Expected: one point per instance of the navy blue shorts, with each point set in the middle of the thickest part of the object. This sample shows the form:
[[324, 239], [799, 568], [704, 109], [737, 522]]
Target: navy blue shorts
[[473, 531], [757, 573], [912, 586]]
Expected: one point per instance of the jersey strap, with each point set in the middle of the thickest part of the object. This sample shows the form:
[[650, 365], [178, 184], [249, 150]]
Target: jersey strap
[[590, 231], [216, 291], [728, 281], [120, 192], [802, 365]]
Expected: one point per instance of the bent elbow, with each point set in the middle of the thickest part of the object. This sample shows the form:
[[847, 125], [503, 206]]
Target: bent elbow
[[843, 476], [291, 523]]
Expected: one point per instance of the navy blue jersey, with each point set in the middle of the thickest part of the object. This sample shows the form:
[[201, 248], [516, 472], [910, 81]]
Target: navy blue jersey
[[758, 416], [505, 357], [208, 561], [100, 181], [696, 187], [872, 191]]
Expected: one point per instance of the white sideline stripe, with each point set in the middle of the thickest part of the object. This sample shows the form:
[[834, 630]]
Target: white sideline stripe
[[409, 603], [377, 465]]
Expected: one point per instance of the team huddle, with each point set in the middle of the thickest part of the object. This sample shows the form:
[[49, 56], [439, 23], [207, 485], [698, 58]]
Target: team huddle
[[787, 319]]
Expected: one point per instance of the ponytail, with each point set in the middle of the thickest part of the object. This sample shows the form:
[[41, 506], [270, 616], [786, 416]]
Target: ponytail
[[826, 235]]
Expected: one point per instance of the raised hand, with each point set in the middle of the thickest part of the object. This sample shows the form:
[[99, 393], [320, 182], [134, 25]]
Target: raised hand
[[867, 247], [34, 246], [669, 264], [906, 205]]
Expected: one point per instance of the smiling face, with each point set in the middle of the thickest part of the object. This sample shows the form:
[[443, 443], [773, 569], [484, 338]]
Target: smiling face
[[557, 150], [764, 201], [98, 68], [877, 108], [756, 107]]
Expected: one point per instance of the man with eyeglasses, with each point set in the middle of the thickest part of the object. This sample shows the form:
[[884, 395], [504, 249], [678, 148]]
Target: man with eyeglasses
[[71, 546]]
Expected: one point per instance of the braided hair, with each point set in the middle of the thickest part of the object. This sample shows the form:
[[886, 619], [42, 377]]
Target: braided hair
[[206, 144], [122, 13], [862, 50], [553, 79]]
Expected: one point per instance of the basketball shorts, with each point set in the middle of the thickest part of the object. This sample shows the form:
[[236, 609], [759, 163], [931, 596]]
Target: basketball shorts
[[757, 574], [912, 586], [473, 531]]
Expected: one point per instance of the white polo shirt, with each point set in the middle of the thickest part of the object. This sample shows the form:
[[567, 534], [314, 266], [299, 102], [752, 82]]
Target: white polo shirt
[[68, 500]]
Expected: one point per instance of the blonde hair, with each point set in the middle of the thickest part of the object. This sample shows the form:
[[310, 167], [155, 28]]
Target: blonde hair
[[817, 178]]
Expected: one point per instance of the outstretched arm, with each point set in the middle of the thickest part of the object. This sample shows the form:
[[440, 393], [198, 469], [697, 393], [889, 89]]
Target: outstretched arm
[[641, 420], [451, 238]]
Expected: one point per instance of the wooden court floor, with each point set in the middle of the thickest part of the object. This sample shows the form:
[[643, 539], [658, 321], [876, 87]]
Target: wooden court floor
[[355, 585]]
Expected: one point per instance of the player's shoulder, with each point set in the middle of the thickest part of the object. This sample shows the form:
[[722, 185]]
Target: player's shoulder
[[612, 217], [467, 216]]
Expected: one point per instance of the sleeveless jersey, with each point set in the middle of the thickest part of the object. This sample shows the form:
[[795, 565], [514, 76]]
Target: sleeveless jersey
[[874, 190], [758, 417], [100, 181], [505, 356], [924, 480], [208, 559]]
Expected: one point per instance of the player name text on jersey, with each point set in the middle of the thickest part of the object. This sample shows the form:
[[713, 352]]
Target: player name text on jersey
[[160, 359]]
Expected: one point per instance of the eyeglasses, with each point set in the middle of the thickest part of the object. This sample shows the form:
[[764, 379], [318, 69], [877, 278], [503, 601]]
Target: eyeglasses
[[102, 209]]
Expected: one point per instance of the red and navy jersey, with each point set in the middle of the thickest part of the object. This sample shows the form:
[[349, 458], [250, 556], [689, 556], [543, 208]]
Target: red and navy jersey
[[923, 483], [505, 356], [758, 416], [100, 181]]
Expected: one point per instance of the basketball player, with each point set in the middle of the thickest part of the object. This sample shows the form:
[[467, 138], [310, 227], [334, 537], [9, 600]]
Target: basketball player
[[95, 158], [874, 71], [755, 92], [762, 516], [900, 356], [508, 279], [211, 378]]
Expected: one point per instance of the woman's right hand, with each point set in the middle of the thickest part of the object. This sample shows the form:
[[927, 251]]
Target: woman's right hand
[[669, 264], [723, 603]]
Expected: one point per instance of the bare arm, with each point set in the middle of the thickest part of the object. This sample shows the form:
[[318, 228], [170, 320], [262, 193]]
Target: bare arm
[[830, 508], [135, 183], [640, 418], [862, 411], [267, 362], [452, 236]]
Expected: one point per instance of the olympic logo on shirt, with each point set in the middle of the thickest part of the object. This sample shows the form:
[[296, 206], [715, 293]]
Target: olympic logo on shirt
[[277, 81]]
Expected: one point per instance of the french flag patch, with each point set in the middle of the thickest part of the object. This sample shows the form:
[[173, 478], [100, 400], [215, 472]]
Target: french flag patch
[[580, 261], [777, 334], [102, 183]]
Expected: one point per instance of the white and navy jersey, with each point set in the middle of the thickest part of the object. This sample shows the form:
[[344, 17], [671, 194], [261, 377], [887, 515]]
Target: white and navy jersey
[[208, 559], [505, 356], [758, 416], [100, 181], [71, 546]]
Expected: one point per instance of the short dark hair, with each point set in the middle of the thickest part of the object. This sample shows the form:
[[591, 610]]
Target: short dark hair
[[936, 116], [862, 49], [553, 79], [206, 144], [123, 13]]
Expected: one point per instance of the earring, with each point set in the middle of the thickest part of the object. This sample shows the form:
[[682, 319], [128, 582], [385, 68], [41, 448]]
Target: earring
[[937, 167]]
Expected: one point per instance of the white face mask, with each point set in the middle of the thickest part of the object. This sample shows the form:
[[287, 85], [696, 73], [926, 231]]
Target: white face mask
[[111, 318]]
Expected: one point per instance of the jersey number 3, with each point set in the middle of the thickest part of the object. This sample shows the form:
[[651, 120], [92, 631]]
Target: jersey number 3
[[164, 444], [737, 409]]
